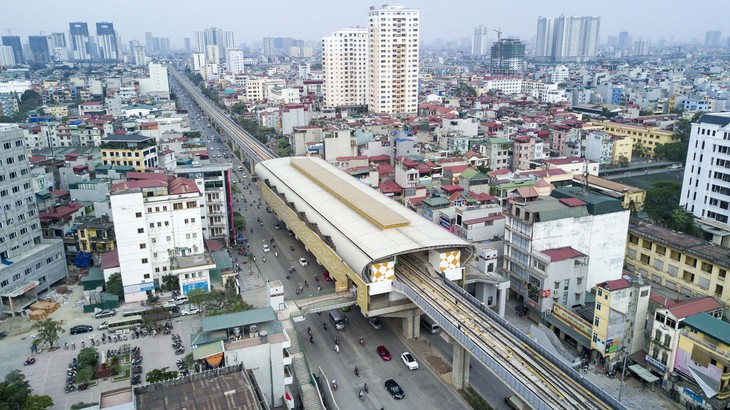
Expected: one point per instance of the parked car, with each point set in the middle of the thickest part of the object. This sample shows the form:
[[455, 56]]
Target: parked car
[[327, 277], [302, 261], [105, 313], [277, 226], [81, 329], [103, 326], [409, 361], [266, 248], [394, 389], [375, 323], [190, 311], [383, 353]]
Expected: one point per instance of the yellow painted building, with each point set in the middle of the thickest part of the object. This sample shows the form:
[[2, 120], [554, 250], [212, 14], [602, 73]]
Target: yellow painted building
[[680, 262], [133, 150], [96, 236], [631, 197], [704, 349], [649, 137], [622, 147], [57, 110]]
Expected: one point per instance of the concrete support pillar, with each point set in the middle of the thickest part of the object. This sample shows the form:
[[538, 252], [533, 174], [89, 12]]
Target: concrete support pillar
[[460, 367], [411, 322], [502, 301]]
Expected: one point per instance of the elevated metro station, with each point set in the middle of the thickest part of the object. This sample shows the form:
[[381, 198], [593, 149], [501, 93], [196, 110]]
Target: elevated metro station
[[356, 233]]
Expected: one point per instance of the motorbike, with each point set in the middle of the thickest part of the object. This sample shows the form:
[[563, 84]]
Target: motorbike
[[357, 372], [292, 269], [361, 394], [362, 341], [29, 361], [324, 325], [365, 387], [334, 384], [292, 248], [73, 346], [311, 339], [337, 348], [65, 345], [83, 386]]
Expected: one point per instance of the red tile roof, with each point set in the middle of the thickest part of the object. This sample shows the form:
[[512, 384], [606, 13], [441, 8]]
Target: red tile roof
[[483, 219], [452, 188], [182, 186], [138, 184], [390, 187], [376, 158], [482, 197], [135, 175], [572, 202], [615, 284], [110, 259], [560, 254], [694, 306], [456, 169], [384, 169]]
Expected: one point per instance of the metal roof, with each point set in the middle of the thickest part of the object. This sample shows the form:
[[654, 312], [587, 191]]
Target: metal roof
[[711, 326], [373, 211], [248, 317], [357, 239]]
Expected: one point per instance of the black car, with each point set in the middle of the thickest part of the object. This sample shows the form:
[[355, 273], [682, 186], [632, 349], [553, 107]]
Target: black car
[[394, 389], [81, 329]]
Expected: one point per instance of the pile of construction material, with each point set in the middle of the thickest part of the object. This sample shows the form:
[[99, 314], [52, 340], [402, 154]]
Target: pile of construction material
[[41, 309]]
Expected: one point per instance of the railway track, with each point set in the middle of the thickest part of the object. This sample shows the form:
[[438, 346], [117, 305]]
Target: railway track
[[554, 387], [254, 147]]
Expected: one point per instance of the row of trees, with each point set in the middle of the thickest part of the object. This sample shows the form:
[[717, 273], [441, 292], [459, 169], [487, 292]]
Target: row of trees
[[219, 301], [677, 150], [15, 393], [662, 206]]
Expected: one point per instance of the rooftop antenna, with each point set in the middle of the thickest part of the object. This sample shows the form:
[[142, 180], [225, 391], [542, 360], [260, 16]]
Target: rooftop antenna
[[585, 176]]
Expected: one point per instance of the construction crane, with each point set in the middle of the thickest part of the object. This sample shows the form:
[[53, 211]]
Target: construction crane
[[10, 31], [499, 33]]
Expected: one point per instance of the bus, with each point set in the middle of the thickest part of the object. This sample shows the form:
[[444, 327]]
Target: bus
[[126, 323]]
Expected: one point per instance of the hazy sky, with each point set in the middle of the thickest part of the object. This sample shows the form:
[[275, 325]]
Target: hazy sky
[[313, 19]]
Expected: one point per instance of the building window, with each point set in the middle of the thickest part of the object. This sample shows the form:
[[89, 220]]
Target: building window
[[597, 321], [144, 260], [146, 276], [140, 230], [598, 305], [142, 246], [675, 255]]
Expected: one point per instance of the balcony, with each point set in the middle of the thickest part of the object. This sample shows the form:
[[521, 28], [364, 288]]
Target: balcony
[[287, 357], [712, 348], [288, 376]]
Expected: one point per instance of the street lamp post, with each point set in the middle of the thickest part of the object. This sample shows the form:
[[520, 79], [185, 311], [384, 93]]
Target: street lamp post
[[623, 373]]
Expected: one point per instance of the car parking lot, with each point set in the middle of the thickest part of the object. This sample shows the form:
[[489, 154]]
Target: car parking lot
[[48, 374]]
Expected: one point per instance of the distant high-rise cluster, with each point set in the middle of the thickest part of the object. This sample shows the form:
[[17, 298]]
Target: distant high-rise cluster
[[567, 39], [156, 45], [287, 46], [385, 55], [222, 40], [479, 42]]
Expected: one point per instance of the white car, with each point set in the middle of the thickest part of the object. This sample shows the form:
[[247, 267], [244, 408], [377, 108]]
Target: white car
[[409, 361], [303, 262], [194, 311], [266, 248]]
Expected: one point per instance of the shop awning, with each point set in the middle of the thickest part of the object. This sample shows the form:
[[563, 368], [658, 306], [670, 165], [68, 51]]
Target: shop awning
[[205, 351], [643, 373]]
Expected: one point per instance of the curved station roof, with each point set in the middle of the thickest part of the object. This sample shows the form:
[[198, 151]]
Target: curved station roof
[[364, 225]]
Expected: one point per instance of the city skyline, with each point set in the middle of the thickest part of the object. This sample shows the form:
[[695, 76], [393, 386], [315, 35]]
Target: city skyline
[[315, 20]]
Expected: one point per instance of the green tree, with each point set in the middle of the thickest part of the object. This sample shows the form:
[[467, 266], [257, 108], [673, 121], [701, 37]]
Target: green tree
[[677, 149], [622, 161], [483, 169], [639, 150], [466, 90], [662, 200], [239, 108], [84, 375], [36, 402], [47, 330], [239, 222], [5, 119], [14, 391], [114, 285], [88, 357], [29, 100], [284, 148], [81, 405], [160, 375], [197, 297], [170, 283]]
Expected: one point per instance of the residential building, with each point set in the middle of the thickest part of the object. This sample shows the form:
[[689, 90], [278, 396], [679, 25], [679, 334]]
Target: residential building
[[567, 39], [705, 191], [133, 150], [30, 264], [214, 181], [345, 67], [254, 338], [525, 150], [677, 261], [479, 223], [497, 152], [507, 56], [212, 54], [234, 60], [79, 36], [157, 84], [479, 42], [96, 235], [619, 319], [507, 84], [648, 137], [14, 43], [712, 38], [572, 165], [7, 57], [140, 58], [158, 225], [585, 229], [703, 356], [394, 59], [40, 53], [631, 197], [107, 41]]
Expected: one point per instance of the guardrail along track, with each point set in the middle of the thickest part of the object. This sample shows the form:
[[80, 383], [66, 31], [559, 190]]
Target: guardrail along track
[[552, 387], [248, 142]]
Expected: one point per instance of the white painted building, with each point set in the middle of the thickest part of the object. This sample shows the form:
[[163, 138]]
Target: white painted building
[[345, 67], [234, 60], [156, 84], [599, 147], [589, 230], [507, 84], [394, 59], [706, 185], [18, 87], [7, 58], [197, 61], [212, 54], [217, 212], [156, 219]]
